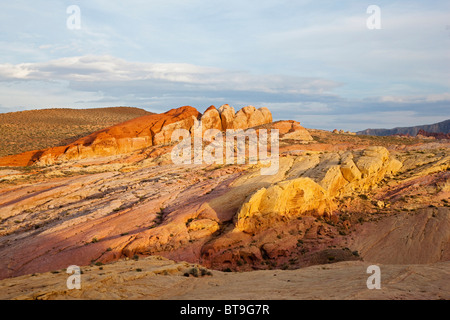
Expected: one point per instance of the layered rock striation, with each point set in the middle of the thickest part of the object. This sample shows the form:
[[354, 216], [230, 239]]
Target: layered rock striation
[[229, 216], [311, 185]]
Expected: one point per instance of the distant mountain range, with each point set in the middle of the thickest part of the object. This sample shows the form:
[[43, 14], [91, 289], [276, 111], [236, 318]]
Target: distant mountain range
[[440, 127]]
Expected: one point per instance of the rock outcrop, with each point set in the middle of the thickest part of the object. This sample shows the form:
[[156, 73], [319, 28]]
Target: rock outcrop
[[423, 237], [336, 131], [290, 129], [227, 116], [126, 137], [245, 118], [312, 186], [283, 201], [143, 132], [211, 119], [102, 209], [158, 278], [433, 135]]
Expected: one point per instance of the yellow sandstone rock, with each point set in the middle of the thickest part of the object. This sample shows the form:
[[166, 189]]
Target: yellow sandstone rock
[[311, 186], [227, 116], [281, 201]]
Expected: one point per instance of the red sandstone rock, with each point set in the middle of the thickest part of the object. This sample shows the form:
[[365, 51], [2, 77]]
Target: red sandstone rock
[[292, 130], [245, 118], [142, 132], [191, 213], [435, 135], [211, 119], [129, 136]]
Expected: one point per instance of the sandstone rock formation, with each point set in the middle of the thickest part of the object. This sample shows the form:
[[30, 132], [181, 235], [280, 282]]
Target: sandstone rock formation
[[336, 131], [310, 189], [425, 238], [211, 119], [157, 278], [432, 135], [227, 116], [331, 201], [282, 201], [143, 132], [220, 216], [292, 130], [245, 118], [129, 136]]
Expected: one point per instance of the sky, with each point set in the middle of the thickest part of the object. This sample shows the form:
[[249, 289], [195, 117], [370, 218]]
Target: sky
[[318, 62]]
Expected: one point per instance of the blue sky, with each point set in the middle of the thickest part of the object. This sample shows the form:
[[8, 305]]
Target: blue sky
[[311, 61]]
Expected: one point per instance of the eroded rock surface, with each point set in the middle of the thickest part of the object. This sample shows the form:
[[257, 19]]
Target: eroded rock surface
[[312, 189], [158, 278], [327, 203], [143, 132]]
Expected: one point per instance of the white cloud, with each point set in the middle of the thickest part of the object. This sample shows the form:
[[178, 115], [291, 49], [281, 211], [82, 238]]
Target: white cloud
[[299, 107], [442, 97], [104, 69], [307, 59]]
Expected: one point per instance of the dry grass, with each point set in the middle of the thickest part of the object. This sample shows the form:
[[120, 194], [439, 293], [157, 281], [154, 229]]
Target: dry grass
[[38, 129]]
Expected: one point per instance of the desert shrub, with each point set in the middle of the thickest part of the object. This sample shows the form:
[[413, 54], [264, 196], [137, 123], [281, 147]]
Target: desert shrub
[[194, 272], [364, 197]]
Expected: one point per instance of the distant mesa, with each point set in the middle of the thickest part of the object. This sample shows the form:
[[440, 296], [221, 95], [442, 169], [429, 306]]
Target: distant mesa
[[442, 129], [142, 132]]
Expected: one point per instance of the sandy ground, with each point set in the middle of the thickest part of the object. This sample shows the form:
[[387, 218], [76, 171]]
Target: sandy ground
[[159, 278]]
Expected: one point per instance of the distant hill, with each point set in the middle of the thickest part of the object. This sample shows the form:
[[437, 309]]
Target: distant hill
[[38, 129], [443, 127]]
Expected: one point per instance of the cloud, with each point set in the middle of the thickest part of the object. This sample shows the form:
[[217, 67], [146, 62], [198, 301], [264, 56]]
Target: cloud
[[98, 71], [315, 62], [91, 80], [105, 80], [442, 97]]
